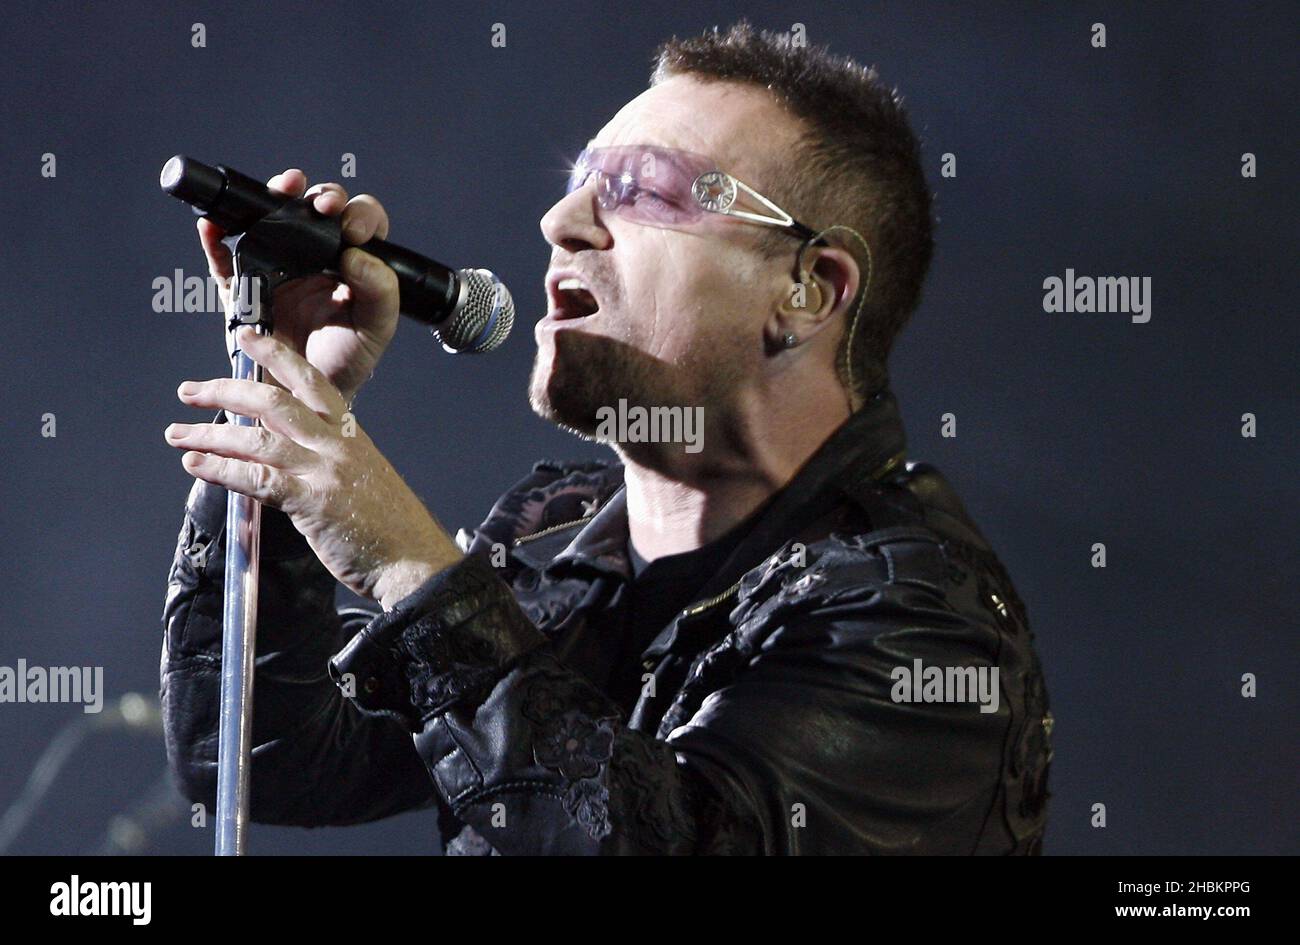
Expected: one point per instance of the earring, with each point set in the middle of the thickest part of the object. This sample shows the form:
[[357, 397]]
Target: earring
[[789, 340]]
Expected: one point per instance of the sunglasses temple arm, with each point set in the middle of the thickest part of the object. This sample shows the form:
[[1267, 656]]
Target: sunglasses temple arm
[[778, 216]]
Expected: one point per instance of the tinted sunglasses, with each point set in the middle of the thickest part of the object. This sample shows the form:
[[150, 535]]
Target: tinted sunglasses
[[668, 187]]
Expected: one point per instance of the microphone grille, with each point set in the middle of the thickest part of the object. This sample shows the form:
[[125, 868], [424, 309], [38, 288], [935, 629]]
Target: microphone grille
[[482, 319]]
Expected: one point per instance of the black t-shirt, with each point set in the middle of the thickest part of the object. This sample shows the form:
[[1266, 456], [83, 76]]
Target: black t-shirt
[[661, 589]]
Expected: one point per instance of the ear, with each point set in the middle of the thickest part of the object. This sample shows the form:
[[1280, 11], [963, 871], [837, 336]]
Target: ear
[[823, 294]]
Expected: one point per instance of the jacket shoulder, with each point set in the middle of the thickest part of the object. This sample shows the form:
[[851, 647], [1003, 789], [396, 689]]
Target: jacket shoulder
[[919, 506], [901, 577], [844, 568]]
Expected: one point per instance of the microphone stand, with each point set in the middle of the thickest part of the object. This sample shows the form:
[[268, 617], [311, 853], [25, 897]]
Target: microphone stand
[[252, 285], [287, 243]]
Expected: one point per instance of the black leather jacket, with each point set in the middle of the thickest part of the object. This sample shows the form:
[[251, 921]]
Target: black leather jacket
[[766, 721]]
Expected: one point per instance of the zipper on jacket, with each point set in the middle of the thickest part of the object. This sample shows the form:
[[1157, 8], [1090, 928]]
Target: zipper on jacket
[[700, 606], [551, 529], [890, 465]]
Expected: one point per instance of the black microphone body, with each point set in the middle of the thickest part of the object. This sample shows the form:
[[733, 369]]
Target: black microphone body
[[470, 310]]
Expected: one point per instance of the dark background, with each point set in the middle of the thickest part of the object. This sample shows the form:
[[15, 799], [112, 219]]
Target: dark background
[[1072, 428]]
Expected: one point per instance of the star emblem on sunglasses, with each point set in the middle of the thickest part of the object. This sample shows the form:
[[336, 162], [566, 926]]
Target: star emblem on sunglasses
[[715, 191]]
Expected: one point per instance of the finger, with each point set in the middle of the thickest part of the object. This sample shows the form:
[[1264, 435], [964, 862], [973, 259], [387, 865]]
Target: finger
[[295, 372], [251, 444], [275, 488], [219, 259], [364, 218], [373, 284], [328, 198], [278, 410], [291, 182]]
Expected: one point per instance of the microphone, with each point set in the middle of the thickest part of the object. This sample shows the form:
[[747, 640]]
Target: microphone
[[469, 310]]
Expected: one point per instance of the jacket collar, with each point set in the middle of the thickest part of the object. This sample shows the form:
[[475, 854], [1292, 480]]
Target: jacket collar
[[868, 444], [602, 542]]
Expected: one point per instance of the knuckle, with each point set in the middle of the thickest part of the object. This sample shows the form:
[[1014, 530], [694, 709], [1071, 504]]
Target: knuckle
[[324, 486], [328, 188], [356, 224], [385, 279], [262, 480], [315, 491], [361, 266], [286, 183], [287, 502], [369, 214], [307, 498]]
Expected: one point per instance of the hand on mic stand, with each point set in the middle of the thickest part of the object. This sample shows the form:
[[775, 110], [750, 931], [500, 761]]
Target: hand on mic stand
[[302, 453], [360, 518], [331, 326], [321, 469]]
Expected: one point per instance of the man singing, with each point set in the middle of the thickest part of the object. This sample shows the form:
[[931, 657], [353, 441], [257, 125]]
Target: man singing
[[781, 637]]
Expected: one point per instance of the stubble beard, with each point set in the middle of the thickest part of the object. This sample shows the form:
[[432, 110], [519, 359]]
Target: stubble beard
[[584, 373]]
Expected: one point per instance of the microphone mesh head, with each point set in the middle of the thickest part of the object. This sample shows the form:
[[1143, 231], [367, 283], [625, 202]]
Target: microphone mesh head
[[483, 318]]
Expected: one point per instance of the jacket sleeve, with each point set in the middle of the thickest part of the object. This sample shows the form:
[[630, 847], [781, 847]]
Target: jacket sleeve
[[317, 760], [800, 740]]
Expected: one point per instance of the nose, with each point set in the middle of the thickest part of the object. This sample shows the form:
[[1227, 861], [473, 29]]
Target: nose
[[572, 224]]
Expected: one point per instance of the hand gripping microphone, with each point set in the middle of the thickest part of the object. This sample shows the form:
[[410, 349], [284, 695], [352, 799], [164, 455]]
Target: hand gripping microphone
[[468, 309]]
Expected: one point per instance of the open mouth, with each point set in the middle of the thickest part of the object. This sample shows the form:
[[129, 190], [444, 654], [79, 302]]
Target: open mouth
[[571, 299]]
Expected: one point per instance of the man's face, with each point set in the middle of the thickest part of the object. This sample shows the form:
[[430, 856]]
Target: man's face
[[680, 311]]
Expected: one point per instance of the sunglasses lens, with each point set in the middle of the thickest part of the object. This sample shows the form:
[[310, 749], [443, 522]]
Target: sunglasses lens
[[609, 194], [645, 185]]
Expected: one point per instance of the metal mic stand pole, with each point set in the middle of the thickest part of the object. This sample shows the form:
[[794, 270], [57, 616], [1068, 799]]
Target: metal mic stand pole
[[250, 304]]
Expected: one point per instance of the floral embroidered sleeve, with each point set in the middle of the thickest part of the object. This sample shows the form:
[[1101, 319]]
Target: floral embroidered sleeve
[[524, 750], [313, 751]]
